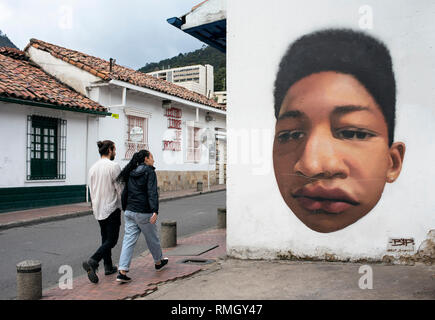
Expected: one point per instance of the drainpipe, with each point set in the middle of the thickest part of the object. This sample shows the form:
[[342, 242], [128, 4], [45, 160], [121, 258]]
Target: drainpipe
[[197, 114], [124, 96]]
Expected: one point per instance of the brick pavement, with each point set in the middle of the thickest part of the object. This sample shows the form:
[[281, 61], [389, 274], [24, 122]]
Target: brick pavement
[[144, 277], [40, 215]]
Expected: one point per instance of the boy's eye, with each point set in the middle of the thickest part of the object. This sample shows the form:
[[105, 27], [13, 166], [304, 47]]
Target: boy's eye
[[350, 134], [285, 136]]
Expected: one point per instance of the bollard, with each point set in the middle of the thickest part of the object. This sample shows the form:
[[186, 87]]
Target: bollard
[[222, 218], [199, 185], [168, 234], [29, 280]]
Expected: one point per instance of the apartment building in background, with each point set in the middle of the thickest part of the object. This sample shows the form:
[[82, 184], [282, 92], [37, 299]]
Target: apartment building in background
[[197, 78]]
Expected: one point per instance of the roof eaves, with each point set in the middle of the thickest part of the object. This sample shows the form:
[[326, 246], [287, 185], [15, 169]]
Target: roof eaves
[[53, 106]]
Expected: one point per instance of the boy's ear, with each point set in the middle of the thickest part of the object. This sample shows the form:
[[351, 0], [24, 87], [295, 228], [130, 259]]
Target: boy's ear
[[397, 153]]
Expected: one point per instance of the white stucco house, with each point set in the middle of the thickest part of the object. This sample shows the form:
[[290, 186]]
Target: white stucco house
[[185, 131], [45, 133]]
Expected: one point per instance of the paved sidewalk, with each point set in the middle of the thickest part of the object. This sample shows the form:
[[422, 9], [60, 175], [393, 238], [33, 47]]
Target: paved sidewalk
[[144, 277], [233, 279], [34, 216]]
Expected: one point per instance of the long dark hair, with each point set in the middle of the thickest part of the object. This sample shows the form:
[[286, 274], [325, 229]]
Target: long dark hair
[[137, 159]]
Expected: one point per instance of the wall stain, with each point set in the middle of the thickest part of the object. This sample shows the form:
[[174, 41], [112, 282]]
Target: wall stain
[[425, 254]]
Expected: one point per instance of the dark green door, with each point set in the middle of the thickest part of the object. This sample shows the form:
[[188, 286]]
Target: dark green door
[[43, 163]]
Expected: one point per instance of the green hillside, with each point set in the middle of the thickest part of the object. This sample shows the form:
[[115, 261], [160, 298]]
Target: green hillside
[[205, 55], [5, 42]]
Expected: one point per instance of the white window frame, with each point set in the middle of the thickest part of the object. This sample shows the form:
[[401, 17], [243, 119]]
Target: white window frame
[[190, 130]]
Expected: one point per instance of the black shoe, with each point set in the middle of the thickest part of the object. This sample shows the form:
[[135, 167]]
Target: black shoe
[[163, 263], [122, 278], [91, 268], [110, 270]]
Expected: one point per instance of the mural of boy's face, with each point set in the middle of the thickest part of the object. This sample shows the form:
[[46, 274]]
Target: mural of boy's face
[[331, 154]]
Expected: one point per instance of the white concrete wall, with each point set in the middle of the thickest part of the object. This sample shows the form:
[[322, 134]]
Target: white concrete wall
[[210, 11], [63, 71], [13, 130], [116, 129], [260, 225]]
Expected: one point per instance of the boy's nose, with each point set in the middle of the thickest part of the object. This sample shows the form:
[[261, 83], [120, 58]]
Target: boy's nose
[[321, 157]]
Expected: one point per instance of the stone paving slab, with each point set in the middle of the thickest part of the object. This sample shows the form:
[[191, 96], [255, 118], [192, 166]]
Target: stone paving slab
[[233, 279], [144, 277]]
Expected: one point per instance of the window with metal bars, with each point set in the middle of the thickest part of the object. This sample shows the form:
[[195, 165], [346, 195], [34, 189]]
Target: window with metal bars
[[137, 135], [46, 148]]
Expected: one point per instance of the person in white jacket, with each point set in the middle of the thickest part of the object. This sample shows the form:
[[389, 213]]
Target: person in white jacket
[[105, 194]]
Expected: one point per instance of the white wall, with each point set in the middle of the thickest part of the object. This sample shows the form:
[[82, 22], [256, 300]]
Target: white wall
[[116, 129], [260, 224], [210, 11], [63, 71], [13, 130]]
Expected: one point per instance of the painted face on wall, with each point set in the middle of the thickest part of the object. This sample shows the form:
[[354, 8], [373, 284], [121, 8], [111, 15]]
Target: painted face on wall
[[331, 154]]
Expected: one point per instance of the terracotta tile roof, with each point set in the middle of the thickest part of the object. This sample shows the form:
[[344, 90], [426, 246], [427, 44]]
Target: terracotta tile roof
[[21, 79], [198, 5], [14, 53], [101, 68]]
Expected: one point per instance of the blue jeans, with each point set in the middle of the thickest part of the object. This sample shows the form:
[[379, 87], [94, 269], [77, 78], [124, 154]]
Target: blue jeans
[[135, 223]]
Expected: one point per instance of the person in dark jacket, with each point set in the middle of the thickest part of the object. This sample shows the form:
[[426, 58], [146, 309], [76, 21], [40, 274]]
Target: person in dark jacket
[[141, 205]]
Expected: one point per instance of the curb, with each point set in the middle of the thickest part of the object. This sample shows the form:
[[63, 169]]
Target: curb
[[66, 216], [190, 195], [26, 223]]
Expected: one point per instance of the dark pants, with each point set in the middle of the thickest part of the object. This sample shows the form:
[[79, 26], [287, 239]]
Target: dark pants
[[109, 237]]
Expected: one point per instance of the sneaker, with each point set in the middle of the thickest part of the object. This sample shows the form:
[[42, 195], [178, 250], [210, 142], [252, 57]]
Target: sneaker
[[163, 263], [91, 268], [122, 278], [110, 270]]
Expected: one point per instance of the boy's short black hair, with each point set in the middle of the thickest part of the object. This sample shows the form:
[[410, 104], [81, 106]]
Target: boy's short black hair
[[345, 51]]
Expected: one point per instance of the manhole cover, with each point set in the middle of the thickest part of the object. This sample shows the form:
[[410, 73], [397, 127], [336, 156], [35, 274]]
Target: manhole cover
[[196, 261]]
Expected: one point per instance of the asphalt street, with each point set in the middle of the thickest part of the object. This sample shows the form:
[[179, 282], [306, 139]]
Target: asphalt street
[[71, 241]]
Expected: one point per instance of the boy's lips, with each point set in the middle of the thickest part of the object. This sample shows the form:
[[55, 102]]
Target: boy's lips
[[330, 200]]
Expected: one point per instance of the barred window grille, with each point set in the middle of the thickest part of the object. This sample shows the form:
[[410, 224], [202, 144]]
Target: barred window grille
[[46, 148], [136, 144]]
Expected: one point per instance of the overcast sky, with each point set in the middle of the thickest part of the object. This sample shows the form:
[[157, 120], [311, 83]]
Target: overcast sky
[[134, 32]]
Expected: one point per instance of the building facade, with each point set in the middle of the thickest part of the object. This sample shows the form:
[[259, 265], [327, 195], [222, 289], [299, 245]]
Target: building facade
[[48, 133], [197, 78], [180, 127]]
